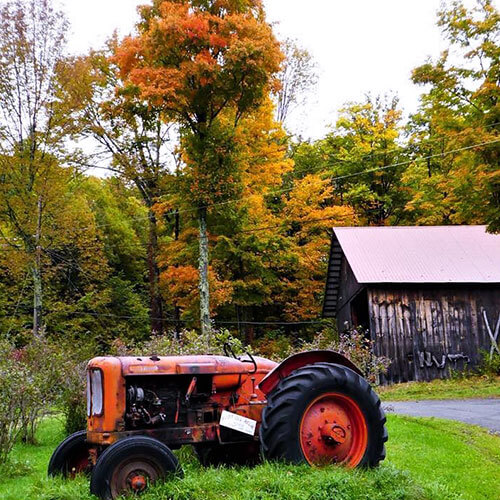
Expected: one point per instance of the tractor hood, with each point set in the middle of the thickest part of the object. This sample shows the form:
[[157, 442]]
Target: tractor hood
[[184, 365]]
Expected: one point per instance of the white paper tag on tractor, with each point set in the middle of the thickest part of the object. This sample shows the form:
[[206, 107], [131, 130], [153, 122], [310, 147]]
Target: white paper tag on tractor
[[238, 423]]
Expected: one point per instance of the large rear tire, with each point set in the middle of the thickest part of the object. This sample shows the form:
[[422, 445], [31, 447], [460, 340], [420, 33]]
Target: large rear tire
[[324, 414], [71, 457], [130, 465]]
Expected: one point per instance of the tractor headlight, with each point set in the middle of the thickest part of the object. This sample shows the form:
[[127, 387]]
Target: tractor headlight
[[89, 396], [94, 392]]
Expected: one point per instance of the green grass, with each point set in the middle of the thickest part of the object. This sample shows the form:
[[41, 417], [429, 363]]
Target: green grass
[[428, 459], [462, 388]]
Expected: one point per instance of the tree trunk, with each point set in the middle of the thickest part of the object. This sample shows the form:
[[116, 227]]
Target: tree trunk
[[247, 313], [177, 309], [156, 303], [37, 274], [203, 270]]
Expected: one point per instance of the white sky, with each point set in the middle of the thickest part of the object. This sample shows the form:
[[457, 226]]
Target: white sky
[[359, 46]]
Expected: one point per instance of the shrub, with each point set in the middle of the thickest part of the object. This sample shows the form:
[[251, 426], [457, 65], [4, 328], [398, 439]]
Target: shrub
[[72, 399], [190, 342], [490, 364], [274, 345], [43, 366], [355, 344], [12, 391], [30, 381], [72, 396]]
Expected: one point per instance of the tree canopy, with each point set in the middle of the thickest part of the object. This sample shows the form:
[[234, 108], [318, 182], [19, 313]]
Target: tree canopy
[[211, 212]]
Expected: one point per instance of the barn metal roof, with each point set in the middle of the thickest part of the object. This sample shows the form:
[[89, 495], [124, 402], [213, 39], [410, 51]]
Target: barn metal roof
[[422, 254]]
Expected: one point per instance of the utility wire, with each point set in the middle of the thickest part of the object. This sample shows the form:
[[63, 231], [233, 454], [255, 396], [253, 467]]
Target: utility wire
[[286, 190], [356, 174], [177, 321], [385, 167], [437, 155], [377, 169], [314, 169], [340, 218]]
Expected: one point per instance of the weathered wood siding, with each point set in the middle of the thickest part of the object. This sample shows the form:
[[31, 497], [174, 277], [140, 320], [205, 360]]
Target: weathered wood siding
[[429, 331], [348, 289]]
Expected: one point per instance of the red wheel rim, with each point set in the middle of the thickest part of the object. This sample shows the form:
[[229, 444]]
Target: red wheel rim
[[333, 430], [133, 476]]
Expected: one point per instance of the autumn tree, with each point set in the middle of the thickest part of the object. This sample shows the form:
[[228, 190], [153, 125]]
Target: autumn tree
[[297, 78], [456, 181], [126, 136], [32, 40], [269, 248], [198, 60], [358, 156], [309, 212]]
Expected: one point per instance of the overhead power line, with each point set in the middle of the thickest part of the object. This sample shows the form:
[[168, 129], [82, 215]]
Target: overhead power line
[[182, 321], [282, 191], [430, 157], [287, 190]]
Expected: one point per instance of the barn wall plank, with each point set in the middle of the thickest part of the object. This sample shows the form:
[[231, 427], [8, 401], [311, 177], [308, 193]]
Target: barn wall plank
[[430, 331]]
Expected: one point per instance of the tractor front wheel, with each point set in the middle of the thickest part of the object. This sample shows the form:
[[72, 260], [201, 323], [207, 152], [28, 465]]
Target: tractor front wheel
[[324, 414], [130, 465], [71, 457]]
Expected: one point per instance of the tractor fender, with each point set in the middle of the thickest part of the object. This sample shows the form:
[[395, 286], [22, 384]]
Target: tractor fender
[[271, 380]]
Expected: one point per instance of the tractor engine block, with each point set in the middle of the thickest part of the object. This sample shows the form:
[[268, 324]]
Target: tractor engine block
[[158, 401]]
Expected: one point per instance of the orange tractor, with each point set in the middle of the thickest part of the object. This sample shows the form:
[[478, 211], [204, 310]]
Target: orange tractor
[[315, 407]]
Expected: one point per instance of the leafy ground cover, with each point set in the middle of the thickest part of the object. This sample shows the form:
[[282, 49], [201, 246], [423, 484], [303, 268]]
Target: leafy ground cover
[[428, 459], [460, 388]]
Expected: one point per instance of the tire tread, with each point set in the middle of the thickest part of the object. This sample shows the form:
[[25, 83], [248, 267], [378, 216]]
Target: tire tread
[[276, 417]]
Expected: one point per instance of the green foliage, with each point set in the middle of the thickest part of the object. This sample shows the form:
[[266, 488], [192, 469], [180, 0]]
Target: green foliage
[[30, 383], [490, 364], [121, 216], [459, 108], [366, 138], [35, 381], [42, 365], [73, 397], [187, 342], [275, 345], [12, 377], [356, 345]]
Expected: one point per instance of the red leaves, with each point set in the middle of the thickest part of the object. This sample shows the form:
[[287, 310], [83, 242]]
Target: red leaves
[[196, 28], [156, 84], [127, 55], [218, 56]]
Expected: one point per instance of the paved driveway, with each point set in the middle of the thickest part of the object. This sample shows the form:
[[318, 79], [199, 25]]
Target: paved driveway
[[483, 412]]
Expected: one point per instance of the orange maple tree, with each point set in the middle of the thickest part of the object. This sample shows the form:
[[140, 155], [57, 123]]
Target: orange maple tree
[[199, 60]]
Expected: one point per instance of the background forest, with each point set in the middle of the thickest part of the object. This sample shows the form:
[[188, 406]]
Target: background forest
[[210, 212]]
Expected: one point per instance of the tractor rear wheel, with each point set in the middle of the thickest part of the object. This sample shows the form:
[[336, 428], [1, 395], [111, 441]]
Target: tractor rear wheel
[[130, 465], [324, 414], [214, 455], [71, 457]]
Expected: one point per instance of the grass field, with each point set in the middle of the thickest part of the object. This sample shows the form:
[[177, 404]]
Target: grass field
[[462, 388], [427, 459]]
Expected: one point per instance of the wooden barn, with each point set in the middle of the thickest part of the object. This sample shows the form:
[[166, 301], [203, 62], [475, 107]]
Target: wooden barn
[[428, 296]]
